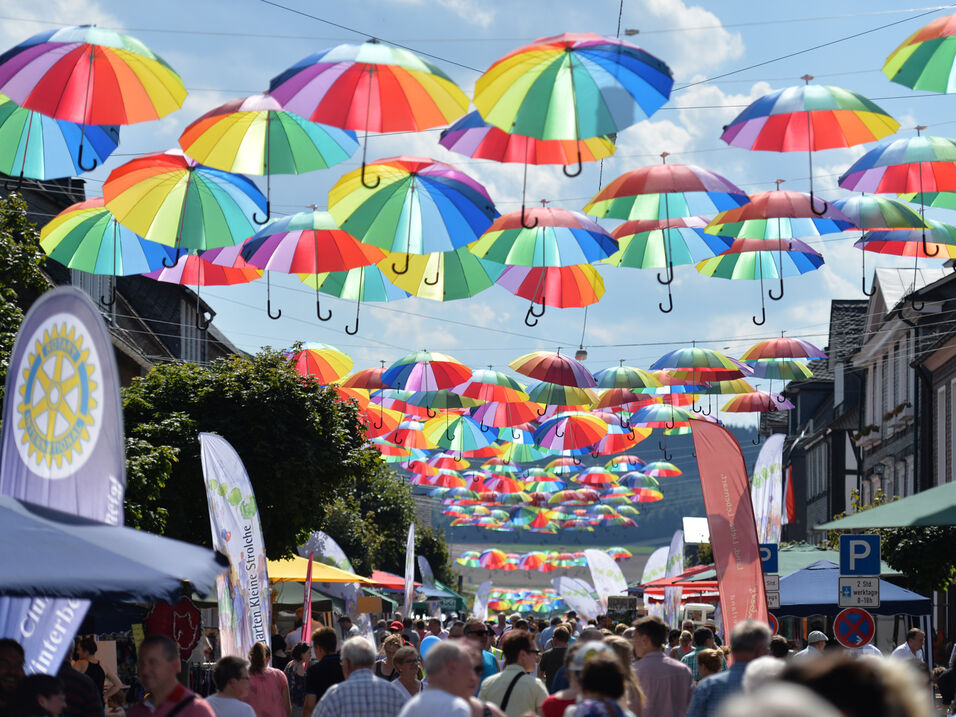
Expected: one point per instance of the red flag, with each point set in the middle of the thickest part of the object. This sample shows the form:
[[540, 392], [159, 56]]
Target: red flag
[[307, 604], [733, 532], [789, 503]]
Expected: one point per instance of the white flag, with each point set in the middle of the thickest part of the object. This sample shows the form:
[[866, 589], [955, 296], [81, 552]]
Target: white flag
[[409, 570], [606, 574]]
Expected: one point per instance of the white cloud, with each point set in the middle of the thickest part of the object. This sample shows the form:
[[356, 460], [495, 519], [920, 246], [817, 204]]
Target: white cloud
[[50, 14], [473, 11]]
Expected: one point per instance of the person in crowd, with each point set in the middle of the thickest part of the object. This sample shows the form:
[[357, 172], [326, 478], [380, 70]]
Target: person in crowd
[[457, 630], [710, 662], [501, 625], [294, 636], [558, 702], [762, 671], [115, 705], [547, 633], [82, 697], [362, 693], [385, 667], [421, 630], [89, 665], [624, 651], [553, 659], [684, 645], [231, 678], [325, 671], [295, 676], [279, 654], [513, 689], [749, 640], [703, 639], [408, 632], [946, 683], [407, 662], [158, 666], [667, 683], [688, 626], [561, 679], [602, 689], [778, 700], [40, 696], [347, 627], [434, 628], [816, 643], [912, 649], [479, 637], [268, 687], [381, 630], [447, 665], [779, 647], [673, 642], [467, 687], [863, 687]]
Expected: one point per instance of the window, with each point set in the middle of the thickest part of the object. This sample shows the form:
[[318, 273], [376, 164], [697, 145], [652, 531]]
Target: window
[[95, 285], [941, 410], [886, 390], [817, 469], [838, 378], [192, 340]]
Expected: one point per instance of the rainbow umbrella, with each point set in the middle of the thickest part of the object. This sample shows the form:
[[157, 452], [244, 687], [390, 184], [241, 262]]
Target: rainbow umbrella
[[620, 437], [554, 368], [782, 369], [554, 394], [442, 275], [757, 402], [366, 283], [502, 414], [458, 433], [658, 469], [417, 206], [564, 466], [572, 86], [87, 237], [40, 147], [425, 371], [533, 560], [504, 484], [937, 240], [419, 467], [699, 364], [559, 286], [578, 525], [809, 118], [659, 243], [326, 363], [372, 87], [410, 434], [447, 460], [441, 400], [499, 466], [539, 474], [924, 60], [649, 481], [490, 385], [628, 511], [659, 415], [308, 243], [492, 559], [783, 347], [380, 421], [358, 395], [171, 199], [615, 398], [469, 559], [625, 463], [368, 378], [544, 486], [90, 76], [569, 431], [457, 493], [447, 479], [595, 476], [518, 445], [627, 377], [620, 554]]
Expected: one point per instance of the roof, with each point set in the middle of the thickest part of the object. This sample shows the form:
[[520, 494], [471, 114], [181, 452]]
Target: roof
[[895, 284], [847, 324], [936, 506]]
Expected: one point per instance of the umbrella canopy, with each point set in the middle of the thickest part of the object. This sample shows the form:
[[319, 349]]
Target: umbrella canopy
[[629, 377], [171, 199], [699, 364], [625, 464], [425, 371], [560, 286], [443, 275], [757, 402], [40, 147], [783, 369], [490, 385], [192, 269], [501, 414], [924, 60], [909, 164], [783, 347], [657, 469], [653, 243], [256, 135], [90, 75], [294, 570], [64, 555], [459, 433], [326, 363], [572, 86], [554, 368], [366, 283], [936, 240], [570, 431]]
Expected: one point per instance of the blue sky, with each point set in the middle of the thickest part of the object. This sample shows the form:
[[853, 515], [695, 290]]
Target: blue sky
[[230, 49]]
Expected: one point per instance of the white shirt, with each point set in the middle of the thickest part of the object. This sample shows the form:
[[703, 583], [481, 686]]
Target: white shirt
[[905, 653], [229, 706], [403, 691], [435, 703], [808, 651], [867, 649]]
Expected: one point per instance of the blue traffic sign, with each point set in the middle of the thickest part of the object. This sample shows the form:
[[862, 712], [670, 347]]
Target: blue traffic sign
[[854, 627], [859, 555], [768, 558]]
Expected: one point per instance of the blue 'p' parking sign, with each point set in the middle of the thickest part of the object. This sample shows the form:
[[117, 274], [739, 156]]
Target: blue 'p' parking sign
[[860, 555]]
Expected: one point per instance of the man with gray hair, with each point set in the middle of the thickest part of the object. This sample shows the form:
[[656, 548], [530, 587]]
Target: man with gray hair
[[447, 665], [749, 640], [362, 693]]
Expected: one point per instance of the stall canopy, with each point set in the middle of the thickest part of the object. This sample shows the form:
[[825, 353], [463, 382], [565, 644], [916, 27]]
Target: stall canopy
[[447, 598], [815, 589], [294, 569], [388, 581], [49, 553], [936, 506]]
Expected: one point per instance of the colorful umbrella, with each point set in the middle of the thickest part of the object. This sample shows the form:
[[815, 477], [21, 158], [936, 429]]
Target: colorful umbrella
[[628, 377], [564, 466], [656, 469], [425, 371], [783, 347], [447, 461], [367, 378], [502, 414], [554, 394], [659, 243], [699, 364], [595, 476], [410, 434], [555, 368], [572, 86], [458, 433], [757, 402], [40, 147], [493, 559], [380, 421], [809, 118], [490, 385], [469, 559], [87, 237], [366, 283], [570, 431], [443, 275], [416, 206], [90, 76], [326, 363], [373, 87], [620, 554], [924, 60], [937, 240], [625, 464], [783, 369], [559, 286]]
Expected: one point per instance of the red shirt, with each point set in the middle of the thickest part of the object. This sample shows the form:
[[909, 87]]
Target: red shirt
[[554, 707], [197, 708]]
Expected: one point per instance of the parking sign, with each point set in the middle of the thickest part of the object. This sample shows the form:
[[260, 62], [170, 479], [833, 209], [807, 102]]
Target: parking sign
[[860, 555], [768, 557]]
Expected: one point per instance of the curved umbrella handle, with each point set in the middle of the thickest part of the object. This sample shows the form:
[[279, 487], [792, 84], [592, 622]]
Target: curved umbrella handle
[[202, 326], [484, 428], [175, 262], [669, 275], [351, 331], [514, 435], [269, 310], [449, 437], [813, 209], [705, 413], [580, 165], [541, 411], [770, 292], [381, 421], [255, 215], [667, 456], [917, 308], [109, 301], [529, 320], [630, 435], [670, 302], [873, 289], [577, 461], [925, 245], [399, 440], [437, 277], [430, 413], [404, 269], [378, 179], [756, 441], [79, 160], [524, 223], [559, 435], [318, 311], [763, 317]]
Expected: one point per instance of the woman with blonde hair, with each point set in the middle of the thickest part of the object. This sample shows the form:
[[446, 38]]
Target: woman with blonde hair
[[624, 651], [385, 668], [269, 688]]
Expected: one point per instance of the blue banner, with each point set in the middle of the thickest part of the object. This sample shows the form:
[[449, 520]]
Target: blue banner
[[62, 446]]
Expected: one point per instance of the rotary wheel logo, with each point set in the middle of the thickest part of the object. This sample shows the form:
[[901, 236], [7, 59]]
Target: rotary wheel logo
[[59, 412]]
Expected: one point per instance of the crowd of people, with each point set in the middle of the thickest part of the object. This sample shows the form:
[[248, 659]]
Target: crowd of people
[[513, 667]]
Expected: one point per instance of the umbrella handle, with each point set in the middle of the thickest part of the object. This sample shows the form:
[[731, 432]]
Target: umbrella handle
[[703, 412], [925, 245], [14, 186], [630, 435], [199, 322], [872, 290], [756, 441], [541, 411], [318, 312], [437, 277], [813, 209], [484, 428], [378, 179], [170, 266], [381, 421], [514, 435], [269, 310], [529, 321], [79, 160], [404, 269], [770, 291], [670, 302], [399, 440], [524, 223], [669, 275], [763, 317], [430, 413], [351, 332], [913, 305], [580, 165], [667, 456], [112, 297], [559, 435], [265, 220]]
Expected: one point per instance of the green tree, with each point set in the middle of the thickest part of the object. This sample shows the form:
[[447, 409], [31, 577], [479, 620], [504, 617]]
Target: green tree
[[925, 555], [21, 277], [432, 545]]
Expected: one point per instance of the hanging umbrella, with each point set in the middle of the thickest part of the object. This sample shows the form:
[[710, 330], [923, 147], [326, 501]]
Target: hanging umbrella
[[554, 394], [442, 275], [474, 137], [87, 237], [40, 147], [625, 464], [425, 371], [783, 347], [447, 479], [506, 414], [924, 60], [572, 86], [447, 461], [519, 446], [372, 87], [570, 431], [595, 476], [621, 436], [308, 243], [564, 466], [171, 199], [699, 364], [366, 283], [628, 377], [658, 243], [782, 369], [493, 559], [419, 467], [469, 559], [90, 76], [195, 270], [559, 286], [410, 434], [809, 118], [757, 402], [657, 469], [380, 421], [490, 385], [440, 400], [936, 240], [662, 193], [554, 368], [458, 433], [326, 363], [416, 206], [367, 378], [532, 561]]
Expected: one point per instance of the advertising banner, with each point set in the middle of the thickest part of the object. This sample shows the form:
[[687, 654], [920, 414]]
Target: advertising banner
[[409, 571], [655, 566], [327, 551], [479, 610], [606, 575], [578, 595], [766, 489]]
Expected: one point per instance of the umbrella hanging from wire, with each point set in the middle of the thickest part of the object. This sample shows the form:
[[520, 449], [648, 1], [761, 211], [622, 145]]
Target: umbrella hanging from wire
[[924, 60], [366, 283]]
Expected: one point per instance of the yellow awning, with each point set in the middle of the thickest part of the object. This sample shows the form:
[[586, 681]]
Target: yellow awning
[[295, 569]]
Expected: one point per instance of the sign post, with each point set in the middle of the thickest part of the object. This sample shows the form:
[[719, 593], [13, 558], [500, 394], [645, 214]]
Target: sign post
[[859, 571], [771, 577]]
